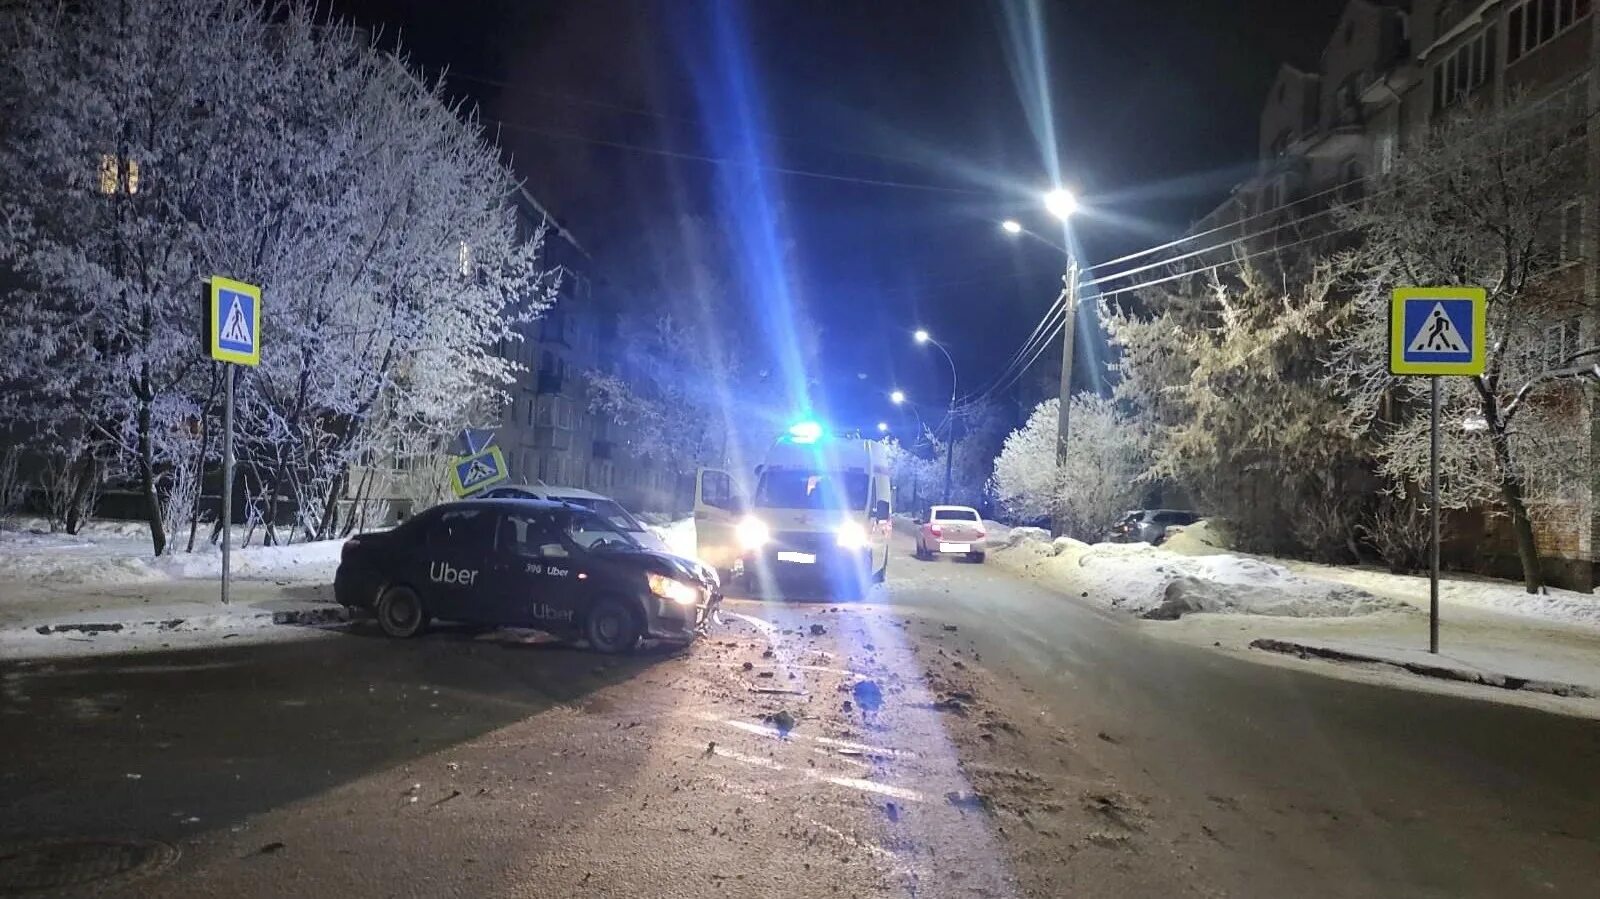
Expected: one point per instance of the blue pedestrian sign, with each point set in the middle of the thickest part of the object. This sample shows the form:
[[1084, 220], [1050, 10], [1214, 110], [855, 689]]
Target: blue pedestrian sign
[[1437, 331], [469, 474], [233, 322]]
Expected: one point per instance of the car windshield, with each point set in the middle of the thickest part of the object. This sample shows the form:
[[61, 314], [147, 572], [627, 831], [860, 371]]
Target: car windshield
[[593, 532], [955, 515], [609, 510], [797, 489]]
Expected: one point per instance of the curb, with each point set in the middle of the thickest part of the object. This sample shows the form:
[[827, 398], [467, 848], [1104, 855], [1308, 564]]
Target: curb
[[303, 617], [1442, 672]]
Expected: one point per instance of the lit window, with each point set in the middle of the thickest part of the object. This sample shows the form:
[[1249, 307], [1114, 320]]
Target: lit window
[[1464, 70], [465, 254], [109, 175]]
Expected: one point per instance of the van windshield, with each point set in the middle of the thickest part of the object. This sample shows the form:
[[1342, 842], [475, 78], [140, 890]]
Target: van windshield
[[799, 489]]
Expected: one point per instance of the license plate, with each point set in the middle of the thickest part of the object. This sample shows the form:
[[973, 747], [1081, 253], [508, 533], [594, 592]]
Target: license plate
[[800, 558], [955, 547]]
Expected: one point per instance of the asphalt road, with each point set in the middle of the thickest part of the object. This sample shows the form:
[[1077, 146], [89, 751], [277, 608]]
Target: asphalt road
[[1027, 744]]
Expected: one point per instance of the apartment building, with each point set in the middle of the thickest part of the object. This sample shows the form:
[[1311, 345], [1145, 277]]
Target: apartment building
[[1390, 71]]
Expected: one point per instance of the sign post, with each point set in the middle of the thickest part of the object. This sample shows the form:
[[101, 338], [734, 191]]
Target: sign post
[[1436, 332], [233, 337]]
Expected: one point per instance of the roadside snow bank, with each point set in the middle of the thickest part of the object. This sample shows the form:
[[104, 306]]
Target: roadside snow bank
[[1203, 538], [1157, 584], [108, 557], [1508, 597]]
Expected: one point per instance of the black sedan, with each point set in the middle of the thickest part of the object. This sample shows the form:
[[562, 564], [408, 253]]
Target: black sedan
[[553, 566]]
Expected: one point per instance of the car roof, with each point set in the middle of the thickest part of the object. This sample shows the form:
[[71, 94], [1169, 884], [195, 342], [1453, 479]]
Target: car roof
[[504, 502], [544, 490], [959, 508]]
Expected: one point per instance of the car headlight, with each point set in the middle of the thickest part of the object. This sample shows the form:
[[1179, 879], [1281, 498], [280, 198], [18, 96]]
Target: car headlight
[[851, 535], [754, 533], [675, 590]]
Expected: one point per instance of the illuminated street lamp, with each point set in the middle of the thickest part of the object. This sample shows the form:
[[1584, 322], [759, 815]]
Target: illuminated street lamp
[[1061, 203], [921, 336], [897, 397], [883, 427]]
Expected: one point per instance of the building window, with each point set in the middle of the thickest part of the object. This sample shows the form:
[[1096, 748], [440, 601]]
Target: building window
[[464, 257], [1386, 154], [1464, 70], [1534, 23], [1571, 249], [116, 177]]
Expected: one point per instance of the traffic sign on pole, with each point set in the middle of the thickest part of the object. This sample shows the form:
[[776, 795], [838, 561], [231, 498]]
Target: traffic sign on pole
[[1437, 331], [232, 314], [469, 474]]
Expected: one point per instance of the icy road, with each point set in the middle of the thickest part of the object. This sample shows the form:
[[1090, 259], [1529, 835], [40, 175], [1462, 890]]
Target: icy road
[[964, 733]]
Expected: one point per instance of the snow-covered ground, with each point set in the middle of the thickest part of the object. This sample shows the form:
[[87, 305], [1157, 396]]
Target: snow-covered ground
[[118, 552], [1156, 583]]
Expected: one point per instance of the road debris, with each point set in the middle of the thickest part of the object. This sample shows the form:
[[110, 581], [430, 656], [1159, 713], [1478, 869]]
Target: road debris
[[781, 720], [818, 630], [868, 695]]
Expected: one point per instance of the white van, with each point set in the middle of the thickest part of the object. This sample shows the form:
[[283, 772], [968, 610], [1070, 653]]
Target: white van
[[821, 507]]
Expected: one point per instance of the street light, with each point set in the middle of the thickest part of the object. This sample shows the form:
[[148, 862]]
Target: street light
[[897, 397], [923, 336], [1062, 204], [883, 427]]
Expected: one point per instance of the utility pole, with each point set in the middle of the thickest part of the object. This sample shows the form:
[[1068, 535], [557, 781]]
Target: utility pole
[[1069, 329]]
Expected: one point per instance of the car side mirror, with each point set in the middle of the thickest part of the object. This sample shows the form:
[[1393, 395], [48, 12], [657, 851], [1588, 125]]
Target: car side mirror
[[920, 520]]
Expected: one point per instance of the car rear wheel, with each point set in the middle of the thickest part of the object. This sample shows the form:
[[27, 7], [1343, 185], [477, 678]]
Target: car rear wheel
[[612, 627], [400, 612], [975, 557]]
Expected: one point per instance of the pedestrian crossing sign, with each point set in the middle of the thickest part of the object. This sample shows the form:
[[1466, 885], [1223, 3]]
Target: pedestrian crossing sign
[[233, 321], [469, 474], [1437, 331]]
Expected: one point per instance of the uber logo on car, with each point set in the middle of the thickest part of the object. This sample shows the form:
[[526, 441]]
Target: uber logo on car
[[547, 612], [445, 573]]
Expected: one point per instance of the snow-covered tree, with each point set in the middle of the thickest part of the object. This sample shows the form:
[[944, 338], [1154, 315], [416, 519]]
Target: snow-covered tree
[[1491, 199], [151, 145], [1107, 452], [1227, 370]]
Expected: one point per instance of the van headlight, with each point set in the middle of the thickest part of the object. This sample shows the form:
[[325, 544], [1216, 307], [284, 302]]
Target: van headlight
[[753, 533], [675, 590], [851, 535]]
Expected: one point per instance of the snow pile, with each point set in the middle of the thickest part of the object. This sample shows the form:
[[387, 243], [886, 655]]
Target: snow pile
[[1034, 538], [109, 553], [1508, 597], [1202, 538], [1154, 583]]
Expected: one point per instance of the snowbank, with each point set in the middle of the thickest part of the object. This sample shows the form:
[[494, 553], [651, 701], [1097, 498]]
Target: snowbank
[[109, 553], [1158, 584], [1203, 538], [1508, 597]]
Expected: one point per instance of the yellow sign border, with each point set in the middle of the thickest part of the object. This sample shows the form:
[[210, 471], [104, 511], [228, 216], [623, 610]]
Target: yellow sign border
[[218, 285], [1397, 329], [455, 471]]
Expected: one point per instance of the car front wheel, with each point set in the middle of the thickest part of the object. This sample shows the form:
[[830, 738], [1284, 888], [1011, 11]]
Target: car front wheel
[[612, 627], [400, 612]]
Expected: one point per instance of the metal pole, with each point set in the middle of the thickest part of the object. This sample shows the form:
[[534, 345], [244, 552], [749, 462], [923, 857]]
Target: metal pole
[[227, 473], [1433, 514], [1069, 330], [949, 456]]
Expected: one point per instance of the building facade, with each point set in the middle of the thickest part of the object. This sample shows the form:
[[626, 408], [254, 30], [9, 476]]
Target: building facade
[[1390, 71]]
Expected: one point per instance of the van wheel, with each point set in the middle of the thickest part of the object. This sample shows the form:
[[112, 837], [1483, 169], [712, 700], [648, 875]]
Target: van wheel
[[611, 627], [400, 612]]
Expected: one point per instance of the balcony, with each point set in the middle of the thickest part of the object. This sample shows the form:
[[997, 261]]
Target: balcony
[[547, 382]]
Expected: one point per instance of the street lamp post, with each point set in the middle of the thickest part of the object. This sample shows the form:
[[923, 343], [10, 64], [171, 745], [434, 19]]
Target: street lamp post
[[1062, 204], [950, 417]]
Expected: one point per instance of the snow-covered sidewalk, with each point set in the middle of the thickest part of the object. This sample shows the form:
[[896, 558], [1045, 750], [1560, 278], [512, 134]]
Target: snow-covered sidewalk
[[102, 591], [1372, 623]]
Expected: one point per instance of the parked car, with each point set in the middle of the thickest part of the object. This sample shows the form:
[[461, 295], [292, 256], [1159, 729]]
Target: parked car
[[951, 531], [608, 508], [531, 563], [1150, 525]]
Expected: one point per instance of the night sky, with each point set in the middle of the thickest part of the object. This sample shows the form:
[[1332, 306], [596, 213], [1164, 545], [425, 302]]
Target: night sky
[[604, 105]]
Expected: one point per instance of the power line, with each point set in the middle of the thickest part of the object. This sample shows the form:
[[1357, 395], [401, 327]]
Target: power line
[[717, 160]]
